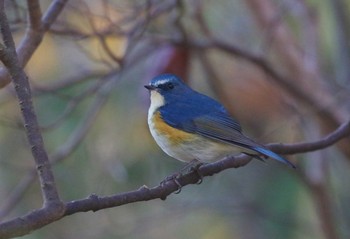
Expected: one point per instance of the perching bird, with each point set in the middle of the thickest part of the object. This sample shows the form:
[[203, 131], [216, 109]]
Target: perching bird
[[190, 126]]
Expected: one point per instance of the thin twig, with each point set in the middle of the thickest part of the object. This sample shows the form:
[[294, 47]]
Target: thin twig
[[34, 14], [60, 154], [33, 37], [341, 132], [95, 203], [52, 205], [23, 92]]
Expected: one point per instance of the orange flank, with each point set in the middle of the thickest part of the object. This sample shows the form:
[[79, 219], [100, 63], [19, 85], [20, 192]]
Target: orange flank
[[174, 135]]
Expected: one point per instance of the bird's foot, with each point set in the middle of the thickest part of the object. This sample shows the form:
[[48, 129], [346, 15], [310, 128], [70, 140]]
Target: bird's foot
[[174, 177], [190, 167], [195, 168]]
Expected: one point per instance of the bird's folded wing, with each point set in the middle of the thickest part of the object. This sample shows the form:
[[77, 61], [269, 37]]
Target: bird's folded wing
[[226, 130], [222, 128]]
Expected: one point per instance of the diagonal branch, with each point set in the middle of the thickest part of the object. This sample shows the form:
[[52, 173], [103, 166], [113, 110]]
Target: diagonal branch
[[9, 58], [61, 153], [321, 106], [341, 132], [34, 33], [34, 14], [95, 203]]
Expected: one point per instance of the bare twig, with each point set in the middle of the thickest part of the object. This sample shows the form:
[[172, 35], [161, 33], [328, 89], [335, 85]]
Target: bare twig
[[34, 14], [10, 60], [95, 203], [60, 154], [341, 132], [74, 102], [321, 106], [305, 81], [34, 35], [41, 217], [52, 206]]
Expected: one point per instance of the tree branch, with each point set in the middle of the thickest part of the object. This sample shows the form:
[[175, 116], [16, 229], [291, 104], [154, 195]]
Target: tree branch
[[321, 106], [34, 33], [53, 208], [60, 154], [341, 132], [34, 14], [95, 203], [8, 56]]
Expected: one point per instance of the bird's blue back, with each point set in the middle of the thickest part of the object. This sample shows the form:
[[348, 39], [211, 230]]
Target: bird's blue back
[[185, 104]]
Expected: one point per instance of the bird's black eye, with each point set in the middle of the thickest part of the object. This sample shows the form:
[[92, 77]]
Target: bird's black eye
[[170, 85]]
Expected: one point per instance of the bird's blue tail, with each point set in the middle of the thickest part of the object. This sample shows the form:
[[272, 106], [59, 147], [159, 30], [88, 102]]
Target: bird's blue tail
[[273, 155]]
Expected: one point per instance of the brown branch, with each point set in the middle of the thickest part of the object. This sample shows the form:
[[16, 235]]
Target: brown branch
[[41, 217], [25, 224], [34, 34], [321, 106], [34, 14], [12, 228], [95, 203], [9, 58], [316, 99], [61, 153], [341, 132], [305, 79], [73, 104], [52, 206]]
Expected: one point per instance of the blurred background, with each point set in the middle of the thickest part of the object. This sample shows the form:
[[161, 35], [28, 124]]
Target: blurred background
[[281, 67]]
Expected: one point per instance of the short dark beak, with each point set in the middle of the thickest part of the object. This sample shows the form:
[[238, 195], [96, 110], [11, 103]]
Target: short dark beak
[[150, 87]]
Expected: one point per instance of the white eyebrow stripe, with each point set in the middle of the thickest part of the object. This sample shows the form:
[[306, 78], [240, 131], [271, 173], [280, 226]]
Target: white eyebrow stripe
[[161, 82]]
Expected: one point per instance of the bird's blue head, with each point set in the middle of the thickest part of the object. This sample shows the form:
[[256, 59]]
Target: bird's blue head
[[167, 84], [166, 88]]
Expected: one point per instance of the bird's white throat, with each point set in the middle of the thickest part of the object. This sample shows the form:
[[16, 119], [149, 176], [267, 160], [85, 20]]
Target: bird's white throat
[[157, 100]]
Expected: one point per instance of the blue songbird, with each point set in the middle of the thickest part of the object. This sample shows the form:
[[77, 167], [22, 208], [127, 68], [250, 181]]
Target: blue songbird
[[191, 126]]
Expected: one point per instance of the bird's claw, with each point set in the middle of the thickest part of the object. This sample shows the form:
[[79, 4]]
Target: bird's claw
[[174, 178], [196, 170], [179, 186], [193, 166]]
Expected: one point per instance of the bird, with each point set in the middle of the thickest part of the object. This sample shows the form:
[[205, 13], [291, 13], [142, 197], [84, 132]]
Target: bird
[[188, 125]]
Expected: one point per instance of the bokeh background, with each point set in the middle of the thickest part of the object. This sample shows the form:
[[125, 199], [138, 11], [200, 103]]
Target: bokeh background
[[281, 67]]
